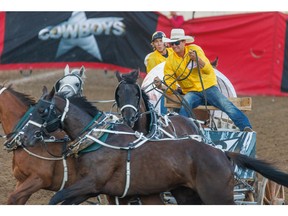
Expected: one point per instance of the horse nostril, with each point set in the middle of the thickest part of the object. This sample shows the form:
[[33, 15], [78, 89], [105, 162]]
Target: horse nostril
[[133, 119], [131, 122]]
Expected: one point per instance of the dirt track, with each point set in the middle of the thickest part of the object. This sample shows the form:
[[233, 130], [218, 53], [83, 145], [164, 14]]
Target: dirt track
[[269, 119]]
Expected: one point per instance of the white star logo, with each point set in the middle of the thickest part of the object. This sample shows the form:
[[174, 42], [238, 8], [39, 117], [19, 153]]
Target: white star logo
[[88, 43]]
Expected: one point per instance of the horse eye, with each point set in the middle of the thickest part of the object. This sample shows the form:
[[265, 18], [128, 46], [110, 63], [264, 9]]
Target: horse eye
[[41, 110], [77, 84]]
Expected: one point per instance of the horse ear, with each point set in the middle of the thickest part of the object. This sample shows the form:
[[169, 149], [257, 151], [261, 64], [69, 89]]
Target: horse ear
[[51, 93], [44, 90], [119, 77], [66, 70], [135, 74], [82, 71]]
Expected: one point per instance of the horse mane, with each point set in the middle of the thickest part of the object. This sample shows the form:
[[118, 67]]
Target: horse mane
[[26, 99], [145, 98], [84, 104], [128, 79]]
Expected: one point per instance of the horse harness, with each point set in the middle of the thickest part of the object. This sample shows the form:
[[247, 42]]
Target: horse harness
[[129, 105], [158, 122], [58, 89], [13, 142], [93, 133]]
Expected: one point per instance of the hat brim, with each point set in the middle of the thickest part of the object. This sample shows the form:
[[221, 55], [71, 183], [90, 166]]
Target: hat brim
[[189, 39]]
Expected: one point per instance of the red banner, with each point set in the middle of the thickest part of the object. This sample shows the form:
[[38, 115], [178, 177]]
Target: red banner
[[250, 48]]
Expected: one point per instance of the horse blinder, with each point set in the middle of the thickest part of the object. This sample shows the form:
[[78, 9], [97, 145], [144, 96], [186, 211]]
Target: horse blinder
[[50, 121]]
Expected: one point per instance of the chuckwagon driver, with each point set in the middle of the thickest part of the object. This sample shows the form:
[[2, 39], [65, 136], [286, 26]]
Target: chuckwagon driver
[[152, 60], [183, 65]]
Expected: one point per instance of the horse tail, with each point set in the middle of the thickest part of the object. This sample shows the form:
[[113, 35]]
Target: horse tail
[[264, 168]]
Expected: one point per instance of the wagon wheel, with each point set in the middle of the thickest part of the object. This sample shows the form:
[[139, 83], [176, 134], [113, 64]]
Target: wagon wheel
[[271, 193], [250, 195]]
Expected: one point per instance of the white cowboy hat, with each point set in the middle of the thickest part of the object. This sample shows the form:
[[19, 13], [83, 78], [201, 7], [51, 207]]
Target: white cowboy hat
[[177, 35]]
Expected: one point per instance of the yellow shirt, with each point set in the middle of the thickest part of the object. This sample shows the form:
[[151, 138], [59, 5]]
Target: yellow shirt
[[156, 58], [175, 69]]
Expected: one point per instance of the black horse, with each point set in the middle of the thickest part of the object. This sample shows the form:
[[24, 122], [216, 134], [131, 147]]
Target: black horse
[[138, 113]]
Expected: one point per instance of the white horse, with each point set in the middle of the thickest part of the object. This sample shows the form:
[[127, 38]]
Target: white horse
[[72, 82], [220, 118]]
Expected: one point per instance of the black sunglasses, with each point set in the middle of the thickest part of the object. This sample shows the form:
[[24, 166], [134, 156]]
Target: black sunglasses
[[175, 43]]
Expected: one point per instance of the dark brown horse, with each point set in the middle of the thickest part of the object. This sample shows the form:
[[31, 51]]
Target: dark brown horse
[[138, 113], [71, 84], [128, 164]]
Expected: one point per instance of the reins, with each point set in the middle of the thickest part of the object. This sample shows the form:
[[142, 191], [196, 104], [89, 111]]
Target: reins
[[178, 95], [183, 101], [203, 89]]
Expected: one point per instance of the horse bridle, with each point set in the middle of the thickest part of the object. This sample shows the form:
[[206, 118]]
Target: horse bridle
[[51, 122], [58, 89], [136, 108]]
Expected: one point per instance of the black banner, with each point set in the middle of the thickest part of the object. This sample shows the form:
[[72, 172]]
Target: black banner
[[120, 38]]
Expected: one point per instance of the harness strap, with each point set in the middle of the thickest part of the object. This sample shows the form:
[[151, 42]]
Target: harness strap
[[128, 169], [128, 173], [129, 106], [74, 90], [33, 123], [136, 133], [65, 173], [2, 90], [166, 120], [66, 109], [166, 133], [198, 138], [144, 140]]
